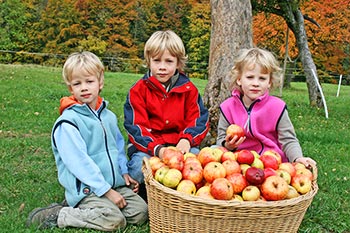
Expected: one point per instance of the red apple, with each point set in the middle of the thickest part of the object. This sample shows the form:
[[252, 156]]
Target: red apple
[[269, 172], [207, 155], [306, 172], [245, 157], [221, 189], [228, 155], [275, 154], [234, 130], [269, 161], [284, 174], [301, 183], [213, 170], [186, 186], [173, 157], [193, 172], [193, 161], [287, 166], [204, 192], [238, 182], [155, 163], [255, 176], [274, 188], [251, 193], [231, 166]]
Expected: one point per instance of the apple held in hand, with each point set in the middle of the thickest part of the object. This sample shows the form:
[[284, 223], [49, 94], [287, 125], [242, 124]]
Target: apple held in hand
[[238, 182], [251, 193], [234, 130], [301, 183], [221, 189], [172, 178], [186, 186], [255, 176], [213, 170], [274, 188], [173, 158], [245, 157]]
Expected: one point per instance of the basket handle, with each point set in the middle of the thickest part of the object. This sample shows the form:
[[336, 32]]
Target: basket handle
[[146, 169]]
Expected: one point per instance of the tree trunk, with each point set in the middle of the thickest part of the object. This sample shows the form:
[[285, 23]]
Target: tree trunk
[[231, 30], [295, 22]]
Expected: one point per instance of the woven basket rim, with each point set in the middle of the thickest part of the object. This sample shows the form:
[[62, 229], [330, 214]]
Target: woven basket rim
[[230, 203]]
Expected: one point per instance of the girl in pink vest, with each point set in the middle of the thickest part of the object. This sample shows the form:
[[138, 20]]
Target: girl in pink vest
[[263, 117]]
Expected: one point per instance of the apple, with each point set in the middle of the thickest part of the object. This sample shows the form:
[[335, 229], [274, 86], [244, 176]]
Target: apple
[[234, 130], [173, 157], [292, 192], [228, 155], [222, 148], [244, 168], [251, 193], [193, 172], [306, 172], [231, 166], [204, 192], [213, 170], [189, 154], [193, 161], [238, 182], [255, 176], [245, 157], [261, 198], [284, 174], [269, 161], [298, 165], [257, 163], [301, 183], [207, 155], [287, 166], [275, 154], [237, 197], [160, 173], [221, 189], [269, 172], [155, 163], [274, 188], [256, 155], [186, 186], [172, 178]]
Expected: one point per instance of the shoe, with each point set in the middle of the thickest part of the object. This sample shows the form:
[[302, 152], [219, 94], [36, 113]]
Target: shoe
[[45, 217]]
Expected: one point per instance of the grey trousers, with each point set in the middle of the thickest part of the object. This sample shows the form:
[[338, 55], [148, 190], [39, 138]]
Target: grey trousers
[[100, 213]]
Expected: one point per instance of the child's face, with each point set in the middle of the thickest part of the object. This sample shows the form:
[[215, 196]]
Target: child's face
[[254, 83], [163, 66], [85, 87]]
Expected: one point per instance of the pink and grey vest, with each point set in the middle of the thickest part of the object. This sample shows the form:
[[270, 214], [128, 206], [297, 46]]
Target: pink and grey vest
[[259, 121]]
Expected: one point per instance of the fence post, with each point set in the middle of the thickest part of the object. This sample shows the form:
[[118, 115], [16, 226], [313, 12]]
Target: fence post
[[339, 84], [322, 96]]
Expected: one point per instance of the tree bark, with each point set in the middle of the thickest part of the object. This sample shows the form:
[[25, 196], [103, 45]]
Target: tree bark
[[231, 30]]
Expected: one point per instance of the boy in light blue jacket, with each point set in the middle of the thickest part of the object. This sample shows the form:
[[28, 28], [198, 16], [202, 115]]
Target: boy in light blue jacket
[[90, 157]]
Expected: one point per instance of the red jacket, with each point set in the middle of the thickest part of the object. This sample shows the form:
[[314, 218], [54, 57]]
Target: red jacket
[[154, 117]]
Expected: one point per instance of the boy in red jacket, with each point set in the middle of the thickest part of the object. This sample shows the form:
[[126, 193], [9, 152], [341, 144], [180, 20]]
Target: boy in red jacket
[[164, 108]]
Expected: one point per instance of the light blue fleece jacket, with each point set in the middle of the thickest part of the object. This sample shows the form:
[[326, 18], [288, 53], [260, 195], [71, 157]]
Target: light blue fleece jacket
[[89, 151]]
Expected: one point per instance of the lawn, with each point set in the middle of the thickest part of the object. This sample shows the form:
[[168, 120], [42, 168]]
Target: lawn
[[29, 106]]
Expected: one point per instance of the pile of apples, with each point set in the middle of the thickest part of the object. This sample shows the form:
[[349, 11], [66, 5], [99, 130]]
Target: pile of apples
[[244, 175]]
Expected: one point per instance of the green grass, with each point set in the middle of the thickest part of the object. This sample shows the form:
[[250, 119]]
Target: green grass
[[29, 106]]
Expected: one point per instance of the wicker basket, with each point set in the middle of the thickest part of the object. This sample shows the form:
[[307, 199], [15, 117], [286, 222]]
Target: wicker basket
[[171, 211]]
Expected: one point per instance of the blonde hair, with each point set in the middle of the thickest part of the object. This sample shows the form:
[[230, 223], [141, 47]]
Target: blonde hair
[[252, 56], [165, 40], [85, 61]]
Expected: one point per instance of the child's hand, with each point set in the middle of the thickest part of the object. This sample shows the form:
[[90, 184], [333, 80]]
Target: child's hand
[[130, 182], [116, 198], [308, 162], [233, 143], [183, 145]]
